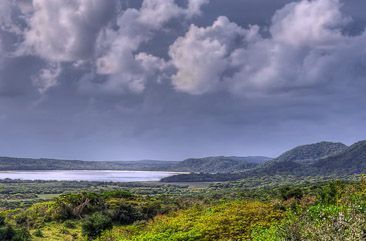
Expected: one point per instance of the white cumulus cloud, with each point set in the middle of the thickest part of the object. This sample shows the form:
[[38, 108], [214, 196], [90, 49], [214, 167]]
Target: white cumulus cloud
[[305, 48], [201, 56], [66, 30], [120, 59]]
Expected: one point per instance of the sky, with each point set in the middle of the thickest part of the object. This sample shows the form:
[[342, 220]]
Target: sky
[[172, 79]]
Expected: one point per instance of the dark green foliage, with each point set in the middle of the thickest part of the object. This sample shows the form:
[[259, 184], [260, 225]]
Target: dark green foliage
[[117, 194], [77, 205], [94, 225], [329, 194], [289, 192], [8, 233], [22, 234], [69, 224], [2, 220], [38, 233], [126, 214]]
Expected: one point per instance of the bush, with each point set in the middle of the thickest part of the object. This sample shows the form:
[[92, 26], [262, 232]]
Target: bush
[[6, 233], [38, 233], [126, 214], [69, 224], [22, 235], [94, 225], [2, 220], [329, 194], [288, 193], [117, 194]]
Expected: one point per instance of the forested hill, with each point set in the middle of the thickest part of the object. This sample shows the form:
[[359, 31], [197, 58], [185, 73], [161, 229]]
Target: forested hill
[[312, 152], [220, 164], [352, 160], [11, 163], [300, 160], [208, 165], [319, 159]]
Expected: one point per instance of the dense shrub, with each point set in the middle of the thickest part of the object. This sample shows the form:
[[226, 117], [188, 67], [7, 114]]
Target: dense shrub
[[289, 192], [8, 233], [94, 225], [69, 224], [38, 233]]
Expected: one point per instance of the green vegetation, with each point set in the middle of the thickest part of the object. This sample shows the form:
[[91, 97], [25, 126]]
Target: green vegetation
[[9, 233], [271, 208], [94, 225]]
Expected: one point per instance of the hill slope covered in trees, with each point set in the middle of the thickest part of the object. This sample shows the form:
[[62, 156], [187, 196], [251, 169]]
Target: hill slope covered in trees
[[319, 159]]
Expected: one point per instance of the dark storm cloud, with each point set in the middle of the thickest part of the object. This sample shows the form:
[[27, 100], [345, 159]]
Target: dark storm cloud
[[172, 79]]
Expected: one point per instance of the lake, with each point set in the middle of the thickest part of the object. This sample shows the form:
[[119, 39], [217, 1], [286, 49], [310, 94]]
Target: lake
[[87, 175]]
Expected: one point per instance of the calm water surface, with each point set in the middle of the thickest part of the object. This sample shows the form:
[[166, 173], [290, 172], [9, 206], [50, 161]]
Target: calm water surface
[[87, 175]]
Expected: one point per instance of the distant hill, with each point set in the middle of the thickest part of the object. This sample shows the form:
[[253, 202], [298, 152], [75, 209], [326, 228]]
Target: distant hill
[[312, 152], [297, 160], [207, 165], [11, 163], [319, 159], [219, 164], [350, 161]]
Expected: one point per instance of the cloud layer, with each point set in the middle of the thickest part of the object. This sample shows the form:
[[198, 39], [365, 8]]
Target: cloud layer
[[171, 78], [303, 43]]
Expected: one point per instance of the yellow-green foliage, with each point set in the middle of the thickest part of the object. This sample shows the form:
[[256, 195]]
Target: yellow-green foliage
[[228, 221], [58, 232]]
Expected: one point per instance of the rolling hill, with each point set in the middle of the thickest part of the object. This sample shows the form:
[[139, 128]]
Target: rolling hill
[[319, 159], [312, 152], [350, 161], [298, 160], [207, 165], [219, 164], [11, 163]]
